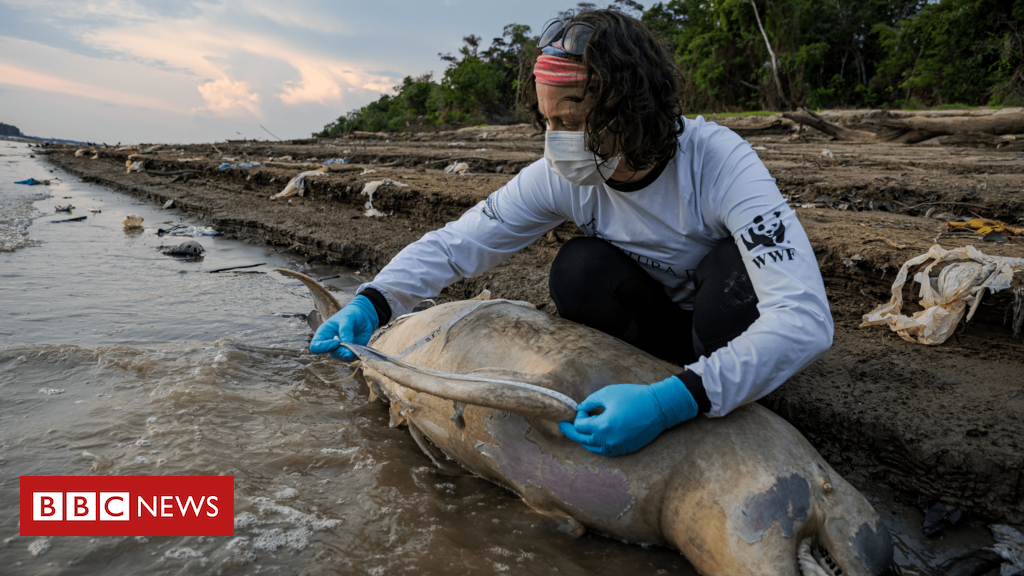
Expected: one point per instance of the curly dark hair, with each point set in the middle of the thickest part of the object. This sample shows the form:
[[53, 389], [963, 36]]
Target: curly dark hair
[[633, 87]]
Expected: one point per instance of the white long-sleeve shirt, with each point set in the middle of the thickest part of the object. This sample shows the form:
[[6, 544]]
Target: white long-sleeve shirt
[[715, 187]]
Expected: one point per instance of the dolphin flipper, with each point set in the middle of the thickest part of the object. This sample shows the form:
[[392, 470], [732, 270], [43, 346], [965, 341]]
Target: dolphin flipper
[[325, 302]]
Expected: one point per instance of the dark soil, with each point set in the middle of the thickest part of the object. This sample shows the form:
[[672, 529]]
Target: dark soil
[[943, 422]]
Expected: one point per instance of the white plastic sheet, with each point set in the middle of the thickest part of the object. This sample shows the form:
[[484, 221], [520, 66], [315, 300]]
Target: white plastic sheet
[[946, 297], [372, 187], [296, 185]]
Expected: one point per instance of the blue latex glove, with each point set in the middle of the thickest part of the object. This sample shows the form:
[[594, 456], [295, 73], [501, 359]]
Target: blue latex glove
[[354, 324], [633, 416]]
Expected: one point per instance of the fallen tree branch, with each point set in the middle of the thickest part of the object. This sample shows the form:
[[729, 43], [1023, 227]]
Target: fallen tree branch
[[995, 124], [235, 268], [172, 172], [953, 203], [808, 118], [886, 240]]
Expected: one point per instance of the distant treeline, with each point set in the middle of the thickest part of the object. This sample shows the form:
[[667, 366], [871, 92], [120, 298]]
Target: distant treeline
[[8, 130], [739, 55]]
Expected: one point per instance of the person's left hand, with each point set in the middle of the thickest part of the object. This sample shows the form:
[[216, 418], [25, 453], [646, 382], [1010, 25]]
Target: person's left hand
[[633, 416]]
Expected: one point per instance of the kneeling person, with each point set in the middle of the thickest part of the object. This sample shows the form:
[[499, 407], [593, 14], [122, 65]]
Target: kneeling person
[[691, 252]]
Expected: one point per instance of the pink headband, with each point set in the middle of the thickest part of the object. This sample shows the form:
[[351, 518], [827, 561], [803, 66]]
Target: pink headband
[[556, 71]]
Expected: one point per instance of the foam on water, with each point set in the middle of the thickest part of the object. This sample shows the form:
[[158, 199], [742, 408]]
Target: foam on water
[[39, 547], [286, 494], [183, 553]]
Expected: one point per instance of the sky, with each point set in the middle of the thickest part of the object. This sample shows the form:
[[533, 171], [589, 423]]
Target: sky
[[170, 71]]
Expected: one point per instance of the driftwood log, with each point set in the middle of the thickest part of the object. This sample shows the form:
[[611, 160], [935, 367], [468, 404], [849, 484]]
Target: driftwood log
[[997, 129]]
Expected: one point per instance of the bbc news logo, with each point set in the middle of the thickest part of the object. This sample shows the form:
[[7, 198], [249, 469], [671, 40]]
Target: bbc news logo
[[127, 506]]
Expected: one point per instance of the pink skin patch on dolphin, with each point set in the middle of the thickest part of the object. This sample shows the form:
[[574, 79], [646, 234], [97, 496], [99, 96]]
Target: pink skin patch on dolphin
[[603, 492], [787, 501]]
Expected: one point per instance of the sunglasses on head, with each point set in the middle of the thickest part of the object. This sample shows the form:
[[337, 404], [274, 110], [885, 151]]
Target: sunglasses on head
[[574, 35]]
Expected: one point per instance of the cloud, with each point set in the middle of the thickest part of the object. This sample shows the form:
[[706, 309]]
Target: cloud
[[227, 96], [315, 86], [15, 76], [207, 47]]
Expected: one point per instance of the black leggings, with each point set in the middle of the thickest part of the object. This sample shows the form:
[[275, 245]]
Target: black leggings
[[595, 284]]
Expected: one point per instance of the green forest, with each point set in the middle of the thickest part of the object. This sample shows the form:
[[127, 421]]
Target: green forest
[[747, 55]]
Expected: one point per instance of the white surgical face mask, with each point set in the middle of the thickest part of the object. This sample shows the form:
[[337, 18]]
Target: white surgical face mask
[[567, 155]]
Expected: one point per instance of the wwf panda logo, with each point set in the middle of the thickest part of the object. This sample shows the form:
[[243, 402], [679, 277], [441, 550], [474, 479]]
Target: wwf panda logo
[[765, 232]]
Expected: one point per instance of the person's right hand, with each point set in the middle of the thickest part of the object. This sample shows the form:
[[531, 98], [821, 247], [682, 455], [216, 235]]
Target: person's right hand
[[354, 324]]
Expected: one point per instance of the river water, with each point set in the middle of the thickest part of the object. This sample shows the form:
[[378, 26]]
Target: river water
[[118, 360]]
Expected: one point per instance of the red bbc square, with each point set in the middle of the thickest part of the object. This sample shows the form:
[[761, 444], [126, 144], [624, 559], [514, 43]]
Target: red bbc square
[[127, 506]]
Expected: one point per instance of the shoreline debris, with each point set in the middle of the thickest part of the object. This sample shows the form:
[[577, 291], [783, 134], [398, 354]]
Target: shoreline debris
[[192, 231], [236, 268], [190, 249], [226, 165], [369, 190], [132, 221], [945, 298], [296, 185], [459, 168]]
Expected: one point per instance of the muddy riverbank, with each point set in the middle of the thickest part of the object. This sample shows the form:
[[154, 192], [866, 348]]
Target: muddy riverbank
[[944, 423]]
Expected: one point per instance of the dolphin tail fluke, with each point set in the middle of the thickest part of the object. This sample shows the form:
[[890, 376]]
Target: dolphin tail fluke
[[326, 304]]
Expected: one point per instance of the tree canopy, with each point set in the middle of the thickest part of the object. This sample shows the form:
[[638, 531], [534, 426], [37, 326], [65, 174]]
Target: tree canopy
[[739, 55]]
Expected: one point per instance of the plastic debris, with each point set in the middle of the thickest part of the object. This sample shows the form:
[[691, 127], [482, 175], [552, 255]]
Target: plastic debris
[[191, 248], [1010, 546], [984, 227], [369, 190], [940, 516], [946, 297], [80, 152], [95, 210], [33, 182], [123, 148], [827, 153], [226, 165], [459, 168], [137, 166], [296, 185], [169, 204], [149, 150], [132, 221], [335, 161], [193, 231], [64, 208]]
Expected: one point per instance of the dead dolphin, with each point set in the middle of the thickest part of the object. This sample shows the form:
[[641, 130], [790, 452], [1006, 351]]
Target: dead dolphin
[[745, 494], [191, 249]]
